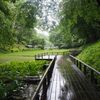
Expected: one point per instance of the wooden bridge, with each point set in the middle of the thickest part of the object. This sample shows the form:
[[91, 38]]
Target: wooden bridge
[[67, 78]]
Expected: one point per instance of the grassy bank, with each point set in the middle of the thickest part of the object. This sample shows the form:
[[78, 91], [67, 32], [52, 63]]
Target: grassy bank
[[91, 55]]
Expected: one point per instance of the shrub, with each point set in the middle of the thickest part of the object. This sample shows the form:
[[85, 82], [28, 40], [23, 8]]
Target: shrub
[[12, 73], [91, 55]]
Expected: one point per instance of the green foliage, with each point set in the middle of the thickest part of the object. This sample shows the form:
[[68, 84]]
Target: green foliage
[[91, 55], [12, 73], [80, 22], [3, 7], [61, 39], [24, 22], [6, 35], [38, 42], [20, 69], [17, 22]]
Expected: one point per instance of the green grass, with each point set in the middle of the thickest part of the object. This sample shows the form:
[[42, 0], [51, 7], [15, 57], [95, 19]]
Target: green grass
[[23, 55], [91, 55]]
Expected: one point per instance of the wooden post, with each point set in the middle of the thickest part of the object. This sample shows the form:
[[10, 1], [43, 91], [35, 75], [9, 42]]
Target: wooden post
[[77, 63], [92, 75], [37, 97], [42, 56], [80, 66], [44, 93], [84, 69]]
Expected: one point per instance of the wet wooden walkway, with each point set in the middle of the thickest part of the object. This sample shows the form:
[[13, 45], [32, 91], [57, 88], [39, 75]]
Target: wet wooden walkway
[[69, 83]]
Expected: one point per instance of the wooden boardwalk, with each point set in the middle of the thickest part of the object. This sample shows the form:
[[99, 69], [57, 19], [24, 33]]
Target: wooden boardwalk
[[69, 83]]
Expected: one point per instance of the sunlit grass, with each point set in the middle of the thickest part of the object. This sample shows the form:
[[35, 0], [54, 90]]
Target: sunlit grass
[[24, 55]]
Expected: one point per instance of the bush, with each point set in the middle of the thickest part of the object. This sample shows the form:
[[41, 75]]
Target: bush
[[12, 73]]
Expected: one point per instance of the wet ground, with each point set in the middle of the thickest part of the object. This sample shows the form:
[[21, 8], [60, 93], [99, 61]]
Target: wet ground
[[69, 83]]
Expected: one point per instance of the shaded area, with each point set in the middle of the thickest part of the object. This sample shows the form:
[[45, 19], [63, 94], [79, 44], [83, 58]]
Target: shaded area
[[69, 83]]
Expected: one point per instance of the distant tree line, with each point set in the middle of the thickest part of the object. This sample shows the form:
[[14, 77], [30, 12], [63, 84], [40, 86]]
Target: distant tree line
[[80, 23]]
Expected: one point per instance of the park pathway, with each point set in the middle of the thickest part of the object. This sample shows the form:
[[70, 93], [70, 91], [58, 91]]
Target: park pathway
[[69, 83]]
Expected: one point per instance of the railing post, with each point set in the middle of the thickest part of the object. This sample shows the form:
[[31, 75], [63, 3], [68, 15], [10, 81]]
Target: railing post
[[44, 93], [92, 75], [77, 63], [42, 56], [84, 69], [37, 97], [80, 66]]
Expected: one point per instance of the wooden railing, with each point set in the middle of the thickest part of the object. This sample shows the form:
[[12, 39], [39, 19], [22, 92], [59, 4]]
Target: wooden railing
[[49, 54], [41, 90], [90, 72]]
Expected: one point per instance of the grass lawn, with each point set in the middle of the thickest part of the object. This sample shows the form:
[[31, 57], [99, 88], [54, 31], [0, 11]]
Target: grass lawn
[[23, 55]]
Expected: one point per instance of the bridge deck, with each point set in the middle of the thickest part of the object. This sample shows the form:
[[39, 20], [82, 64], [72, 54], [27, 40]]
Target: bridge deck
[[69, 83]]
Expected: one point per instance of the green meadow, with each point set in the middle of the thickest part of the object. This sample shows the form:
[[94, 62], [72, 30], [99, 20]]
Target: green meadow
[[24, 55]]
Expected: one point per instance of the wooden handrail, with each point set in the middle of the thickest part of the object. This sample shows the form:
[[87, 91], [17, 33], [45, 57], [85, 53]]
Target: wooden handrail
[[43, 80], [94, 79], [85, 64]]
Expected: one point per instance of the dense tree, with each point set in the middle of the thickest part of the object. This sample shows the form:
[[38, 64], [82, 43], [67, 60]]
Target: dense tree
[[6, 35], [80, 21], [17, 22], [84, 16], [25, 21]]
